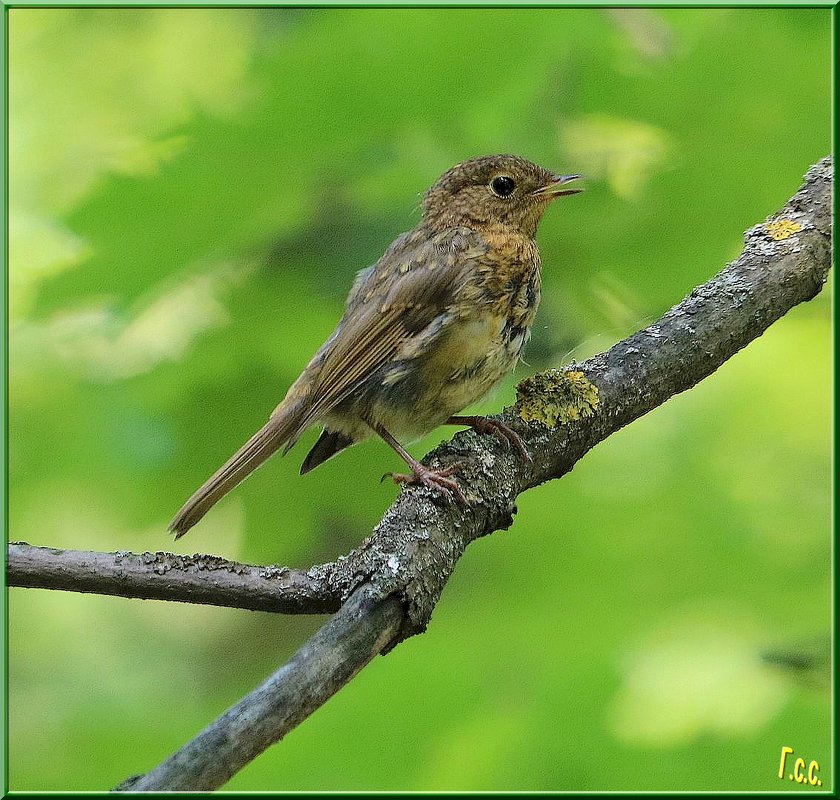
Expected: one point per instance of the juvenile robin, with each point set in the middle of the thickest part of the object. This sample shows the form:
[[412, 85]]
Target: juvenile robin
[[427, 330]]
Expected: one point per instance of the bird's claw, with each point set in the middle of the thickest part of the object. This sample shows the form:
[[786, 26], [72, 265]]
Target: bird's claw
[[436, 479], [506, 434]]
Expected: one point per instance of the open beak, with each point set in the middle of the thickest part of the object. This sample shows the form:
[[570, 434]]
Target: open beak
[[558, 187]]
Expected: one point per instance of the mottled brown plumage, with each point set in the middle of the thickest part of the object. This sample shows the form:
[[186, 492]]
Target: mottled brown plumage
[[427, 330]]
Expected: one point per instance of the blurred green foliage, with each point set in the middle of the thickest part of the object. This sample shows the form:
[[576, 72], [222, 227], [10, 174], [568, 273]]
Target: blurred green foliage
[[191, 193]]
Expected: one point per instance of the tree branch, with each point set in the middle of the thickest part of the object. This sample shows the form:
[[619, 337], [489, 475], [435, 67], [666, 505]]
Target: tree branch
[[360, 630], [391, 583], [166, 576]]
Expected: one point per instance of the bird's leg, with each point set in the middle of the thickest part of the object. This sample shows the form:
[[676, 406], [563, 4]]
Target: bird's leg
[[485, 425], [420, 474]]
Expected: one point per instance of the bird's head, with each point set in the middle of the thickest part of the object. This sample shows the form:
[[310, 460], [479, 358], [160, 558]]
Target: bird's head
[[494, 191]]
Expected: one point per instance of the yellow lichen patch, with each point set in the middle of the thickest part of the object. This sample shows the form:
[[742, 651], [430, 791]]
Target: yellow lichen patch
[[782, 229], [556, 397]]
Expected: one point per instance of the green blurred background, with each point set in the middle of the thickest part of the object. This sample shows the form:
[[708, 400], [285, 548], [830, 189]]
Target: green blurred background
[[191, 193]]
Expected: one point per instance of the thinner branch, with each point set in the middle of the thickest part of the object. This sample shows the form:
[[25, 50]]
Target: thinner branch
[[166, 576]]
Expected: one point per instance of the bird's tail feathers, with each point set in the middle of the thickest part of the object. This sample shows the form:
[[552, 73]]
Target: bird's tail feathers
[[282, 428]]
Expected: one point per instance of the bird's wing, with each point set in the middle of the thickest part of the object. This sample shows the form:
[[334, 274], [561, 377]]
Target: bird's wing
[[413, 284]]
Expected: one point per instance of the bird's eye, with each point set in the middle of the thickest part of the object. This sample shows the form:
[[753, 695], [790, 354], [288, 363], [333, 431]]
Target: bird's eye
[[503, 186]]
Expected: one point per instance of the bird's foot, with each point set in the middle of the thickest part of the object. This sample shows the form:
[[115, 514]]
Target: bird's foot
[[500, 430], [437, 479]]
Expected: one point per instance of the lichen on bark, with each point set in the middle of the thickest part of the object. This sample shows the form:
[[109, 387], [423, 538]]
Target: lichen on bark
[[556, 397]]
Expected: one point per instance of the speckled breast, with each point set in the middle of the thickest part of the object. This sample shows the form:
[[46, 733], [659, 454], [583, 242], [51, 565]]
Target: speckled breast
[[468, 349], [481, 348]]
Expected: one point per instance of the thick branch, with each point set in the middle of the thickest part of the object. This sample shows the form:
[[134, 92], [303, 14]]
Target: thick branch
[[352, 638], [165, 576], [415, 547]]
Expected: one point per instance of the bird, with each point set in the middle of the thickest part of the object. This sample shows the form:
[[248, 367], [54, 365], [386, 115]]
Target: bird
[[427, 330]]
